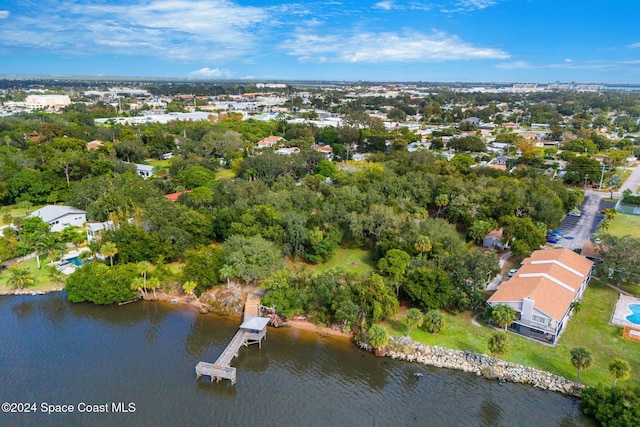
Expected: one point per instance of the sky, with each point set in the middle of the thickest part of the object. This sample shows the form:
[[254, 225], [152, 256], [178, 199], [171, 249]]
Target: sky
[[536, 41]]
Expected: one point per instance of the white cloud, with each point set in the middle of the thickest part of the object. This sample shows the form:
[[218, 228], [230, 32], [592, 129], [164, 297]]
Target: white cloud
[[367, 47], [4, 14], [634, 45], [470, 5], [172, 29], [386, 5], [211, 73], [568, 60]]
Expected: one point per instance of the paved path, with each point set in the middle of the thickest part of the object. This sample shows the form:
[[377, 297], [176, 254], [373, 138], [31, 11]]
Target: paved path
[[632, 183], [493, 285]]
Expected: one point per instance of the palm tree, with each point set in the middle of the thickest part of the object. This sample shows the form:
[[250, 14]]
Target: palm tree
[[422, 245], [414, 319], [576, 306], [377, 336], [21, 278], [109, 249], [55, 274], [581, 359], [189, 287], [138, 284], [497, 346], [144, 267], [503, 315], [619, 370], [154, 283]]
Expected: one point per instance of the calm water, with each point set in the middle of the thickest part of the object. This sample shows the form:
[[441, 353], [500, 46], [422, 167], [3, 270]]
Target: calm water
[[55, 352]]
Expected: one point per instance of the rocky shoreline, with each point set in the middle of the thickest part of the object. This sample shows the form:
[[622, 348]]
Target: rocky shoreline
[[30, 292], [480, 364]]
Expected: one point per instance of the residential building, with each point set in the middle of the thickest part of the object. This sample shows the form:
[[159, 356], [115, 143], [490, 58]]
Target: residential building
[[269, 141], [59, 217], [493, 239], [542, 292]]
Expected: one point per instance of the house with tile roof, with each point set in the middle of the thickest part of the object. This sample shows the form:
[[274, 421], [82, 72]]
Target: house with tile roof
[[269, 141], [542, 292]]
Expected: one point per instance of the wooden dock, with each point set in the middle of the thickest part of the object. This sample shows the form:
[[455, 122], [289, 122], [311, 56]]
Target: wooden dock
[[251, 331]]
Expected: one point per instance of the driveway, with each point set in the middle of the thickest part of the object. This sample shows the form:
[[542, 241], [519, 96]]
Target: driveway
[[578, 230], [632, 183]]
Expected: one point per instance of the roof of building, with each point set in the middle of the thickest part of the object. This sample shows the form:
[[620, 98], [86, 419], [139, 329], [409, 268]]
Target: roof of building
[[255, 323], [174, 196], [549, 277], [94, 145], [591, 250], [495, 233], [52, 212]]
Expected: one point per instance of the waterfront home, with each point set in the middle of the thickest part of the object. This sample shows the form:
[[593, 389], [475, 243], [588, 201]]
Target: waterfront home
[[59, 217], [542, 292]]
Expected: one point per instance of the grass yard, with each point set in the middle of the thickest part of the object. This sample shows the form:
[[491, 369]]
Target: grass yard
[[624, 224], [590, 328], [354, 260], [43, 281], [16, 212], [158, 163], [225, 174]]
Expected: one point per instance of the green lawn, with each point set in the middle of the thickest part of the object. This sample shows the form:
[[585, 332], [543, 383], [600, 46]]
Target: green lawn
[[43, 281], [590, 328], [225, 174], [158, 163], [624, 224], [17, 212], [354, 260]]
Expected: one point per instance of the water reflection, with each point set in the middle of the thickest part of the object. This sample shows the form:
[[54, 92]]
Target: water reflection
[[147, 352]]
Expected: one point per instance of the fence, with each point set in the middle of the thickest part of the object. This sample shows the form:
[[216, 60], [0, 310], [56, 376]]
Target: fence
[[624, 208]]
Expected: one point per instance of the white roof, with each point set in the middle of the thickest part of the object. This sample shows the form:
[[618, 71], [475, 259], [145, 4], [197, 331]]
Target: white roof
[[52, 212], [255, 323]]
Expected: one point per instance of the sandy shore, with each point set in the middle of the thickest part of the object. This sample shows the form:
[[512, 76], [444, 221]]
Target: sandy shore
[[308, 326]]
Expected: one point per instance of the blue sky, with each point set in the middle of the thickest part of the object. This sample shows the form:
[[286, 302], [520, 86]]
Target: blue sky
[[389, 40]]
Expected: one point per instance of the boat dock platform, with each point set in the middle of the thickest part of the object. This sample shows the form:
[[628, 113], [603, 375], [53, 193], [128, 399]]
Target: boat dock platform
[[252, 330]]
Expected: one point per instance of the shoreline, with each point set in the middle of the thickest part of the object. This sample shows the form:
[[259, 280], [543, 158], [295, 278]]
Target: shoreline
[[23, 292], [401, 349]]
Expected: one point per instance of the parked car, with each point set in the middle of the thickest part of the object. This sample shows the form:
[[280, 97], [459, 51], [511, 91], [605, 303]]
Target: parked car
[[574, 213], [558, 233], [552, 239], [512, 272], [597, 241], [596, 186]]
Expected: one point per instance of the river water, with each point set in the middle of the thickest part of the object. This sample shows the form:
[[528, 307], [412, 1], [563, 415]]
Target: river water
[[144, 354]]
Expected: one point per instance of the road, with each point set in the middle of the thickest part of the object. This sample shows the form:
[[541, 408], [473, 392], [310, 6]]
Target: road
[[632, 183]]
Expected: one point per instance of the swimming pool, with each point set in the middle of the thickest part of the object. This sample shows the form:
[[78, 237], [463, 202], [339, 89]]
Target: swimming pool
[[634, 317], [76, 261]]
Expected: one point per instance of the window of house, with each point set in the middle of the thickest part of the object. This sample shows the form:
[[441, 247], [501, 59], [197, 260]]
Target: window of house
[[538, 319]]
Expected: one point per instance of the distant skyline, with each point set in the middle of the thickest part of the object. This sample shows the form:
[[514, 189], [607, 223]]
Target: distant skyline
[[390, 40]]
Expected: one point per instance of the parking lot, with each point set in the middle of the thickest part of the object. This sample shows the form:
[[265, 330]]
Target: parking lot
[[577, 230]]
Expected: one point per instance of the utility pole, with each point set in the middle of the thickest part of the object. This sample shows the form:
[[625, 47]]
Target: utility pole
[[601, 176]]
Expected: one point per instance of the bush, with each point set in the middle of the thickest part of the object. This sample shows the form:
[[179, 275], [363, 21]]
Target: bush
[[612, 407], [433, 321], [95, 282]]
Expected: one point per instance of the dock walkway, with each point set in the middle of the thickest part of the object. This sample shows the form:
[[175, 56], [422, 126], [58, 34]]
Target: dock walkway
[[252, 330]]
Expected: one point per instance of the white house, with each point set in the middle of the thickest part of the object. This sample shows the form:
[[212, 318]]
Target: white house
[[94, 229], [59, 217], [145, 171], [542, 292]]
